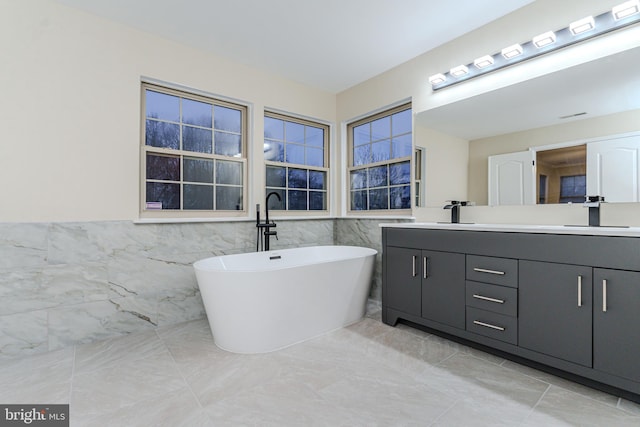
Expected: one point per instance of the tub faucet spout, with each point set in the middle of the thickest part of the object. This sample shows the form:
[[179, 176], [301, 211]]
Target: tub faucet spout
[[267, 225]]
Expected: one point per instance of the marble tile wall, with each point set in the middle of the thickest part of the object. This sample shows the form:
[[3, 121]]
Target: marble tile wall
[[68, 283]]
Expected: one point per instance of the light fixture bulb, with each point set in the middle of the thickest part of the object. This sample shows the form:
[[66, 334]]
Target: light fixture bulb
[[459, 71], [437, 79], [512, 51], [583, 25], [544, 39], [626, 9], [483, 61]]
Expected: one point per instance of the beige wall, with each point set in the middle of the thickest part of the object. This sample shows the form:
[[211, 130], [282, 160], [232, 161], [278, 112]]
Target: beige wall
[[71, 99], [70, 109], [481, 149]]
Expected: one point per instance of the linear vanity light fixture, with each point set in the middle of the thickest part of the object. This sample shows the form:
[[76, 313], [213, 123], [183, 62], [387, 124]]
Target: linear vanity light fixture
[[623, 15]]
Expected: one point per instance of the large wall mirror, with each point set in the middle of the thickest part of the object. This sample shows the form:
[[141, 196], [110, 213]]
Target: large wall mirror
[[552, 119]]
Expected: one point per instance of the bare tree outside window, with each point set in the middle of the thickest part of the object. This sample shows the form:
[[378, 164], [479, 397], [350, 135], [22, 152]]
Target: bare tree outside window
[[380, 161], [193, 152], [295, 153]]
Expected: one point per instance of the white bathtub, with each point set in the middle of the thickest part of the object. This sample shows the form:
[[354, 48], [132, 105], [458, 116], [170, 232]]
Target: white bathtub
[[263, 301]]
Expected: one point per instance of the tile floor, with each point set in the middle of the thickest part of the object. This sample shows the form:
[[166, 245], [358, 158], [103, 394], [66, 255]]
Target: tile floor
[[368, 374]]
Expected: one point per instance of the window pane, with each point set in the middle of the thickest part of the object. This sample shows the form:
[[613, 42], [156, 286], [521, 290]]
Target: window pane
[[198, 197], [196, 139], [400, 197], [228, 198], [227, 144], [381, 128], [163, 167], [315, 157], [381, 150], [227, 119], [400, 173], [359, 200], [362, 134], [198, 170], [297, 178], [378, 198], [294, 132], [276, 177], [317, 180], [401, 122], [317, 200], [315, 137], [274, 202], [378, 176], [362, 155], [273, 151], [359, 179], [161, 134], [228, 173], [273, 128], [295, 154], [196, 113], [162, 106], [297, 200], [167, 194], [401, 146]]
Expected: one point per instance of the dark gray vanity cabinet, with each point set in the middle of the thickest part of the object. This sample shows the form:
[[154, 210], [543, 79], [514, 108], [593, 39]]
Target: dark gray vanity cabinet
[[403, 287], [616, 323], [569, 302], [555, 312], [443, 288], [424, 283]]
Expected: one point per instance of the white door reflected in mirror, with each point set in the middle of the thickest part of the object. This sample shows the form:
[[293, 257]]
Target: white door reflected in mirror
[[608, 167]]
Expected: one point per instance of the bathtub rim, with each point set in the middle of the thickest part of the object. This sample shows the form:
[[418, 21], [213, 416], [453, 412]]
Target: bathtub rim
[[201, 265]]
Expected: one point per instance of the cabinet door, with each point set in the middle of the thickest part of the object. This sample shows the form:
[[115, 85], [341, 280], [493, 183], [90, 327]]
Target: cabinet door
[[616, 329], [402, 284], [555, 310], [443, 287]]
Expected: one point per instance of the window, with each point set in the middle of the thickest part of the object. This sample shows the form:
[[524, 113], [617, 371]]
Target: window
[[296, 153], [380, 150], [418, 176], [573, 188], [194, 158]]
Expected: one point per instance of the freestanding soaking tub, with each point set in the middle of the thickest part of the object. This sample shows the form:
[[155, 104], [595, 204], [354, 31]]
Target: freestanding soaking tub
[[263, 301]]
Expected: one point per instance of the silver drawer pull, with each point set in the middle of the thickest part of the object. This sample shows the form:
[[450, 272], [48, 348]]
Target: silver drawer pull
[[487, 325], [499, 301], [484, 270], [604, 295]]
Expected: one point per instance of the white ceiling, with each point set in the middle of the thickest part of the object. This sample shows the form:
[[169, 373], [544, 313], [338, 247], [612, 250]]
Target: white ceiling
[[328, 44]]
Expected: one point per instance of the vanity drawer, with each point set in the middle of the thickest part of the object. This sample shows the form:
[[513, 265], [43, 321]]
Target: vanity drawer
[[499, 299], [499, 271], [492, 325]]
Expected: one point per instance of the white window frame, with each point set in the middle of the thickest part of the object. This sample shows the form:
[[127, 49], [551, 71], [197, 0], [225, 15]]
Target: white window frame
[[186, 214]]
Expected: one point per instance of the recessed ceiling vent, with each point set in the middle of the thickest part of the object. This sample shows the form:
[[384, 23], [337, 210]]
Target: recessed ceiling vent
[[573, 115]]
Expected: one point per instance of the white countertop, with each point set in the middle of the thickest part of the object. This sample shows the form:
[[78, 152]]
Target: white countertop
[[522, 228]]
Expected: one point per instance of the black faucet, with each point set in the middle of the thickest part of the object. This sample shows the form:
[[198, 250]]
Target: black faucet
[[267, 225], [455, 210], [593, 203]]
